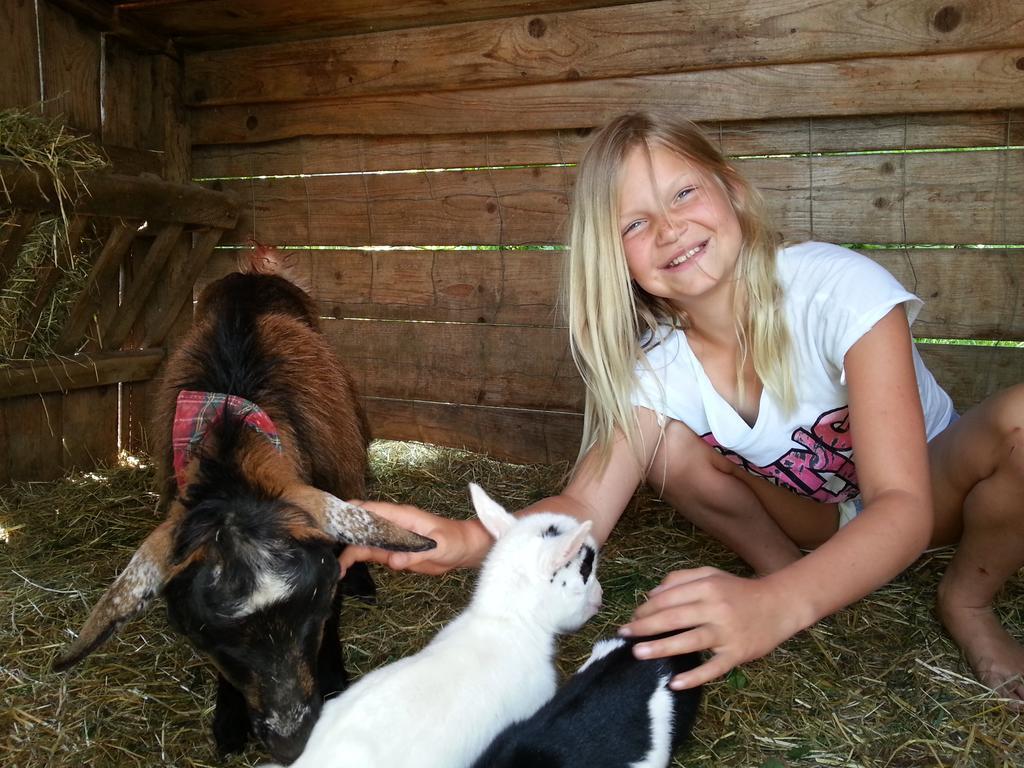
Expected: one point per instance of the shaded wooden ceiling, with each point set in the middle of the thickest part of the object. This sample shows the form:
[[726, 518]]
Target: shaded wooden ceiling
[[214, 24]]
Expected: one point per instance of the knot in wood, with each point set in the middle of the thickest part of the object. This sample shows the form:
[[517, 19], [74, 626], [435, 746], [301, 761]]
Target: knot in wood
[[537, 27], [947, 18]]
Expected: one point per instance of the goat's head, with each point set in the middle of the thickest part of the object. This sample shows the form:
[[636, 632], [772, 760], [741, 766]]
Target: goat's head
[[249, 573]]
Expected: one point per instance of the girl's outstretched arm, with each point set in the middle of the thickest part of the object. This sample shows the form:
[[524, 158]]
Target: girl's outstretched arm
[[739, 619], [596, 493]]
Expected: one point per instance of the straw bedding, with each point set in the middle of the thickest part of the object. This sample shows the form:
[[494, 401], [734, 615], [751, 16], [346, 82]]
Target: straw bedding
[[878, 684]]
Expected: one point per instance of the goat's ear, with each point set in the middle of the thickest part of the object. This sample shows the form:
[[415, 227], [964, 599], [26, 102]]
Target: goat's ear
[[569, 545], [129, 595], [495, 518], [354, 525]]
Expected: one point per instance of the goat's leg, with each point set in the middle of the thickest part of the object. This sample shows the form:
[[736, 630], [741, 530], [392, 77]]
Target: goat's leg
[[330, 664], [231, 726], [358, 583]]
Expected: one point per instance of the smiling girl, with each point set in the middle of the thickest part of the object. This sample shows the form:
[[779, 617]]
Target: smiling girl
[[773, 395]]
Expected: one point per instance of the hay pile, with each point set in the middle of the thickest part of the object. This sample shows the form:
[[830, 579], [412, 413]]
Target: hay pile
[[876, 685], [30, 324]]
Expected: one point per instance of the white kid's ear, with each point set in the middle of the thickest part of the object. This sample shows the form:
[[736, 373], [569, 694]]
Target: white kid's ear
[[570, 544], [494, 517]]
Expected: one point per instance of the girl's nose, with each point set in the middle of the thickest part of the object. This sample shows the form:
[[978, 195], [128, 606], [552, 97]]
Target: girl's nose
[[669, 229]]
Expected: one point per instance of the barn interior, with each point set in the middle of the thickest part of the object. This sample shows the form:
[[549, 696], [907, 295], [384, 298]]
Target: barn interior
[[416, 160]]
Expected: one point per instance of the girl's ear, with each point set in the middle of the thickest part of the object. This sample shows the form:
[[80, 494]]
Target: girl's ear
[[569, 545], [494, 517]]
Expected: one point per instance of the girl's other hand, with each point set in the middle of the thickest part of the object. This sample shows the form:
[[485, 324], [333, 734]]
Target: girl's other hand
[[734, 618], [460, 543]]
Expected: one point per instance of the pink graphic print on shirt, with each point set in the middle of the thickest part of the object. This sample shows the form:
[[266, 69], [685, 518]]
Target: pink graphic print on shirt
[[823, 458]]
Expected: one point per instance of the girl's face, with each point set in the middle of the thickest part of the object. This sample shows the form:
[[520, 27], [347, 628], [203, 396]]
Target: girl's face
[[679, 230]]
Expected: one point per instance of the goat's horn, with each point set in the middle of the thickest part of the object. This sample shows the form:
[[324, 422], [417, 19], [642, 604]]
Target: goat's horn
[[129, 595], [356, 525]]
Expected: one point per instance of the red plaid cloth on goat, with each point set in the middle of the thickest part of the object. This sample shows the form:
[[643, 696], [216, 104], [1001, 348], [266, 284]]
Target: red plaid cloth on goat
[[196, 411]]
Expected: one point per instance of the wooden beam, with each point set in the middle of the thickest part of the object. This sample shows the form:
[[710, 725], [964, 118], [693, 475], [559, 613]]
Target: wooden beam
[[953, 82], [593, 44], [141, 285], [118, 196], [61, 374], [348, 154], [182, 279], [114, 249], [106, 17], [227, 23]]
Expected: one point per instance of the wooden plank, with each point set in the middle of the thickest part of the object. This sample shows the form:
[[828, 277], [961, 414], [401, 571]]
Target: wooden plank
[[507, 366], [171, 124], [547, 436], [62, 374], [71, 69], [19, 55], [226, 23], [349, 154], [126, 105], [932, 197], [89, 298], [511, 207], [181, 279], [919, 198], [12, 237], [118, 196], [168, 131], [988, 305], [975, 81], [104, 16], [529, 367], [89, 428], [663, 37], [522, 287], [33, 427], [140, 286], [507, 434], [970, 374]]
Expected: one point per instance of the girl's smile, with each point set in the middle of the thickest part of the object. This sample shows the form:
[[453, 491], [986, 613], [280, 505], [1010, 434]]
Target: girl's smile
[[687, 257]]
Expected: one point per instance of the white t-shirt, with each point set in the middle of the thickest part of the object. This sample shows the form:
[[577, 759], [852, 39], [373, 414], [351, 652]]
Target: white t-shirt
[[832, 297]]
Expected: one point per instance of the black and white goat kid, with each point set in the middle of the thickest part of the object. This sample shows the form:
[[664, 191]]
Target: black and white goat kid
[[617, 711]]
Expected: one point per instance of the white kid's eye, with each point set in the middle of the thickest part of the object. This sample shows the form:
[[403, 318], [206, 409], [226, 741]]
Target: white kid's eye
[[684, 193]]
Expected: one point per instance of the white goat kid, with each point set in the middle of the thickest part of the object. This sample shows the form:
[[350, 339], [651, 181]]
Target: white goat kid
[[492, 665]]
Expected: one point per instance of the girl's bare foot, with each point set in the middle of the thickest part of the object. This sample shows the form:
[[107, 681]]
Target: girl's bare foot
[[996, 658]]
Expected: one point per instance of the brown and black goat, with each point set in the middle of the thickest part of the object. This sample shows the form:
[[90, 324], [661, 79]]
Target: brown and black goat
[[262, 437]]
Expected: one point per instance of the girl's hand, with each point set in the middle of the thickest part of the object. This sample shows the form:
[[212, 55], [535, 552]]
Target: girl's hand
[[460, 543], [736, 619]]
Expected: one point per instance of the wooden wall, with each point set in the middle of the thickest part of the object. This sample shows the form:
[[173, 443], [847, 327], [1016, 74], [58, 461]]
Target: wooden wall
[[440, 287], [129, 101]]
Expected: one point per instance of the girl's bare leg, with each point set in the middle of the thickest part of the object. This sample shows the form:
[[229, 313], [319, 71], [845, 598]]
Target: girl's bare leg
[[745, 513], [978, 482]]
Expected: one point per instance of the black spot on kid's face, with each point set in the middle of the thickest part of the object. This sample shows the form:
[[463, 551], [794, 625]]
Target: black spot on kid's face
[[587, 565]]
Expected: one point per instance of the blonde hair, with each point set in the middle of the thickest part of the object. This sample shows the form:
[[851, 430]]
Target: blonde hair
[[610, 317]]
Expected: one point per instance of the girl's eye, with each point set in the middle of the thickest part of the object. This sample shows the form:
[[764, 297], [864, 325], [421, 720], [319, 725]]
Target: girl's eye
[[684, 193], [631, 226]]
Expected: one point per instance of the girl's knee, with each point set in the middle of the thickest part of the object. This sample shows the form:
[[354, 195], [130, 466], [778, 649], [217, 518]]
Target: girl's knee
[[687, 471]]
